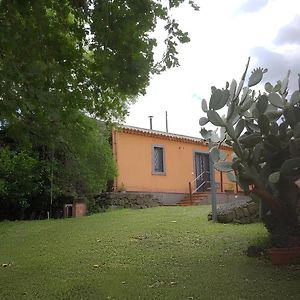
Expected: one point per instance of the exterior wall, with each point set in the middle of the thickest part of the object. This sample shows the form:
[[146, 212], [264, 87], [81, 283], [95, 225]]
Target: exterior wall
[[133, 154]]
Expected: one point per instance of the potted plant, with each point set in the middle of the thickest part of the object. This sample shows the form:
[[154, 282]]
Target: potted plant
[[263, 130], [283, 256]]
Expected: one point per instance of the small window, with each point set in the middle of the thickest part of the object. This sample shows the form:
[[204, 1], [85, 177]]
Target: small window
[[158, 160]]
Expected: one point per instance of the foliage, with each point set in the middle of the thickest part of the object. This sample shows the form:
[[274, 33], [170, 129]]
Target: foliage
[[79, 163], [90, 55], [61, 61], [263, 130], [83, 159], [20, 178]]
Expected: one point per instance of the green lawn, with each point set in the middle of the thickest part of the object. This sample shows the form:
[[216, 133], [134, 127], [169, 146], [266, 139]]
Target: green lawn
[[158, 253]]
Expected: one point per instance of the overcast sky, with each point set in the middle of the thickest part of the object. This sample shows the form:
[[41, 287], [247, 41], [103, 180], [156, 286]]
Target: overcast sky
[[223, 34]]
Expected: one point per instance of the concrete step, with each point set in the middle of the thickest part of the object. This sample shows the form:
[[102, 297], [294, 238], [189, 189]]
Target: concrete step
[[196, 198]]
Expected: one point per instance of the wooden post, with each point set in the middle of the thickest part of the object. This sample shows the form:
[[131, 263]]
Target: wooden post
[[190, 190]]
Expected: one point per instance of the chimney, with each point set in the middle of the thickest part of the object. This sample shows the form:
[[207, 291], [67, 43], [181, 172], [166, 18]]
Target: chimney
[[150, 118]]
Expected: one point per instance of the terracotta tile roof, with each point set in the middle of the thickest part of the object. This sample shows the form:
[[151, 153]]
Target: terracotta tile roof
[[161, 134], [165, 135]]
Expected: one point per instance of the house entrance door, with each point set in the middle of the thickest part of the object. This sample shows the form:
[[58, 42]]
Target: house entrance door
[[202, 171]]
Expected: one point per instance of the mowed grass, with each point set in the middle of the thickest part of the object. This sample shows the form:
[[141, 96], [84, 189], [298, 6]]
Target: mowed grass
[[158, 253]]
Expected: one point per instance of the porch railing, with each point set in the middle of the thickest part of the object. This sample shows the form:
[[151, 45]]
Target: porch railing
[[191, 191], [221, 184]]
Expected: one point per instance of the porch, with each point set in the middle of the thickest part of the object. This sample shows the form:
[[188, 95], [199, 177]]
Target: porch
[[200, 191]]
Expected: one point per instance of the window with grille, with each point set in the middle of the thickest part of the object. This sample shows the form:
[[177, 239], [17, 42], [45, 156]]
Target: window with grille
[[158, 160]]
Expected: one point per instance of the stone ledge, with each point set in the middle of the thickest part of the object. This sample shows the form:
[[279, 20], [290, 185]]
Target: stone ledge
[[242, 212]]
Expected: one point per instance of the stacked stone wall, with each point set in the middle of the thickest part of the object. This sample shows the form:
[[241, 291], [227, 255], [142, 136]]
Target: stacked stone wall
[[242, 212], [126, 200]]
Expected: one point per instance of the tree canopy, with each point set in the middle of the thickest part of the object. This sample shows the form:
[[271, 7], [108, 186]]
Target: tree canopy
[[63, 63], [90, 55]]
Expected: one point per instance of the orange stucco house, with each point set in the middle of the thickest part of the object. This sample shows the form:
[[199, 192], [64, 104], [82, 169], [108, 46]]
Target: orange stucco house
[[163, 163]]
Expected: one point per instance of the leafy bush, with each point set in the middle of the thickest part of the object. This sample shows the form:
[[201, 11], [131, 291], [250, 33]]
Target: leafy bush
[[83, 160], [77, 162], [19, 180]]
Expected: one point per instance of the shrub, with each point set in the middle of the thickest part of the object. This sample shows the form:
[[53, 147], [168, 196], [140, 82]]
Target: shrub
[[19, 180]]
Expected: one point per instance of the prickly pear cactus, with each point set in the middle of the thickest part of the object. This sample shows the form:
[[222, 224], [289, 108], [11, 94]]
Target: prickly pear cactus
[[263, 129]]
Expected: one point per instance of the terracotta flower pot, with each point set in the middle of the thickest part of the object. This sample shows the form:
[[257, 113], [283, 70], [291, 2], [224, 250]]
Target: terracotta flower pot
[[284, 256]]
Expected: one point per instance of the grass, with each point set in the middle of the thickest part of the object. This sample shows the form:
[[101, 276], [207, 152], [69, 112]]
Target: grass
[[158, 253]]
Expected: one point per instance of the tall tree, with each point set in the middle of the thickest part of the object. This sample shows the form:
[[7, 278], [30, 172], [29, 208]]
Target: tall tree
[[89, 55], [62, 60]]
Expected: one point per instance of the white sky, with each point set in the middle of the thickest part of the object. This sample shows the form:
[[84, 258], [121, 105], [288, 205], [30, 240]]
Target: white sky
[[223, 34]]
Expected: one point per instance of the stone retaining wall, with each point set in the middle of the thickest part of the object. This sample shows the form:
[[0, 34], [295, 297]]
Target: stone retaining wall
[[242, 212], [126, 200]]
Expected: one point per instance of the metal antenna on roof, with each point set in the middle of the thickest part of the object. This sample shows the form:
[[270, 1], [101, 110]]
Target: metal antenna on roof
[[167, 129], [150, 118]]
